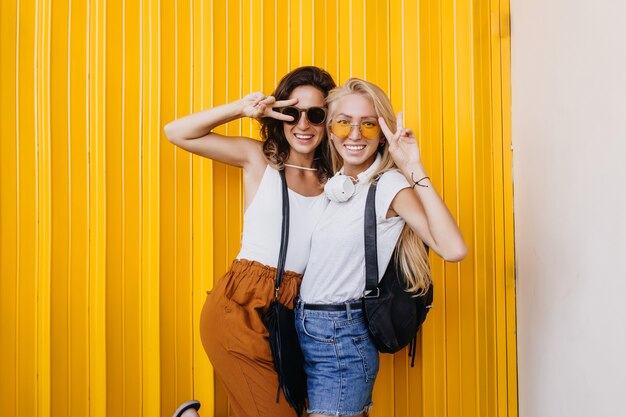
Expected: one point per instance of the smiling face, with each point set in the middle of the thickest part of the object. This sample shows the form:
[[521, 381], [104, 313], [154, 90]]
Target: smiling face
[[304, 137], [357, 151]]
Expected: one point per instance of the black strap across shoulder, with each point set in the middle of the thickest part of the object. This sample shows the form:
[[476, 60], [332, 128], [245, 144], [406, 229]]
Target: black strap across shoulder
[[371, 252], [284, 236]]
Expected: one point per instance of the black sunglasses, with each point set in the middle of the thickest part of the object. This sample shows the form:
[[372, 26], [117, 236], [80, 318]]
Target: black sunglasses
[[315, 115]]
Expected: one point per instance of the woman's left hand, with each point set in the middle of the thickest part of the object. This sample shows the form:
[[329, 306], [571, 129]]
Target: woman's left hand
[[402, 144]]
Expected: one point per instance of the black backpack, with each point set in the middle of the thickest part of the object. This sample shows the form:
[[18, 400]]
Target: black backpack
[[394, 315]]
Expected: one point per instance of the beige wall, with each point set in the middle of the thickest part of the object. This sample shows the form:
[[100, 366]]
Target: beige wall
[[569, 138]]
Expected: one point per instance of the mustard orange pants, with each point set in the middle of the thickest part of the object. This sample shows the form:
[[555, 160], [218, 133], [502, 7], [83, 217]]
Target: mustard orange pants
[[236, 341]]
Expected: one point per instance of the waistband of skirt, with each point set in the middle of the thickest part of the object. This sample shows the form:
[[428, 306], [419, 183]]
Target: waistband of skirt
[[261, 269]]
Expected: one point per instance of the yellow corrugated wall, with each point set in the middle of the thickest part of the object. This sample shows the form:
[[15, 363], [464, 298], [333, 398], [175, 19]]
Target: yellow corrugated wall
[[109, 236]]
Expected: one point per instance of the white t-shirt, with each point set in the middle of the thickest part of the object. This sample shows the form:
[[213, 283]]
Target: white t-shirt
[[262, 222], [336, 269]]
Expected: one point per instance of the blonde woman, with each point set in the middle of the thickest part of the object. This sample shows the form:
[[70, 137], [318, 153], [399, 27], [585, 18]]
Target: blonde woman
[[367, 143]]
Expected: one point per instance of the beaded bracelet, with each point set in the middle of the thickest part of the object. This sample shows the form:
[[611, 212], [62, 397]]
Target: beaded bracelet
[[418, 181]]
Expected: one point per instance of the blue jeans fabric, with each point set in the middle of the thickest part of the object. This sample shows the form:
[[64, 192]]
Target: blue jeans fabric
[[340, 360]]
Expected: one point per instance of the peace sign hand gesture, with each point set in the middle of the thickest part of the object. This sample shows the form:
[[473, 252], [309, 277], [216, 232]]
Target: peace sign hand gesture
[[402, 144], [258, 105]]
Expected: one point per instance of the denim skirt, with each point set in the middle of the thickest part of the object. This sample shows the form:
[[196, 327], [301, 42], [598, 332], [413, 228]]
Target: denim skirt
[[341, 361]]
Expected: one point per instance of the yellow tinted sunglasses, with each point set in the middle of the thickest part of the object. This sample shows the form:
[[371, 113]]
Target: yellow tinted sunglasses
[[369, 129]]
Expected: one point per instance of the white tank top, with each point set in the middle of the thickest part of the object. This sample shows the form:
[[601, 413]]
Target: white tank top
[[262, 223]]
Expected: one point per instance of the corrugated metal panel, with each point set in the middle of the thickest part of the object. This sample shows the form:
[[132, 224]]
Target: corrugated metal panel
[[110, 237]]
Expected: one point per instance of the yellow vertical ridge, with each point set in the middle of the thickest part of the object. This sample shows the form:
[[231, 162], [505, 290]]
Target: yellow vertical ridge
[[28, 32], [465, 210], [484, 208], [97, 210], [282, 39], [131, 206], [306, 19], [427, 133], [60, 206], [331, 53], [76, 287], [44, 215], [368, 20], [257, 53], [453, 387], [344, 62], [500, 234], [267, 47], [402, 60], [396, 70], [233, 190], [358, 50], [375, 40], [509, 241], [319, 36], [120, 23], [8, 206], [411, 69], [151, 137], [113, 74], [247, 24], [411, 23], [219, 96], [292, 13]]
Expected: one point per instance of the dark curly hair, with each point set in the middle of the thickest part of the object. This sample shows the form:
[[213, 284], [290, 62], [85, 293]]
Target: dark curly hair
[[275, 145]]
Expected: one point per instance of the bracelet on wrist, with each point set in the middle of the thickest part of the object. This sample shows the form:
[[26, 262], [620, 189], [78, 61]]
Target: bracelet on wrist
[[418, 182]]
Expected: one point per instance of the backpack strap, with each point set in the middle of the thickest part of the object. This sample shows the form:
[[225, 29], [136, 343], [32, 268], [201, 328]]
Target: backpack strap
[[371, 249], [284, 236]]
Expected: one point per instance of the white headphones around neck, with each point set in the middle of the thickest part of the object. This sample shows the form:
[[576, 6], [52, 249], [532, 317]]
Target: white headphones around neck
[[341, 188]]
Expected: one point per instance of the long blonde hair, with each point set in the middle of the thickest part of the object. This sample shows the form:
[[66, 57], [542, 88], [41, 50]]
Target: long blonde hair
[[411, 255]]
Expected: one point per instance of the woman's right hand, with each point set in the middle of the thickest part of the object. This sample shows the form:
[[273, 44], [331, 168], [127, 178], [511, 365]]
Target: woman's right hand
[[258, 105], [195, 134]]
